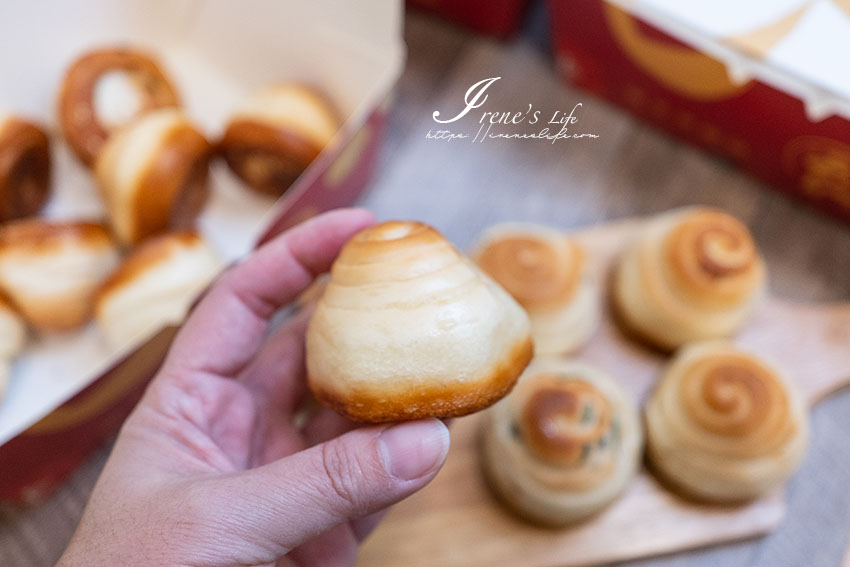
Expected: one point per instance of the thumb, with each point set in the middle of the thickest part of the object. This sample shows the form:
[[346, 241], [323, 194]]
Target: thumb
[[287, 502]]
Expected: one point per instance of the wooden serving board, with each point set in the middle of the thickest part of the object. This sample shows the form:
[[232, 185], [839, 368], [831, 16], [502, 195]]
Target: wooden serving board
[[456, 522]]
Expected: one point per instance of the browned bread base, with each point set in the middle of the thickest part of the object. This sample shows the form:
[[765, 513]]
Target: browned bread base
[[24, 169], [77, 116], [443, 402], [628, 327], [284, 152], [174, 188], [681, 490]]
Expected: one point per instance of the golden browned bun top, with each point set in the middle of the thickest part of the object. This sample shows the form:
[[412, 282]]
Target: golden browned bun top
[[147, 255], [735, 395], [24, 168], [712, 255], [152, 175], [538, 268], [401, 248], [82, 126], [294, 107], [409, 327], [41, 236], [563, 417]]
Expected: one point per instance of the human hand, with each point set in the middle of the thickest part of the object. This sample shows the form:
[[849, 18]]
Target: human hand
[[210, 468]]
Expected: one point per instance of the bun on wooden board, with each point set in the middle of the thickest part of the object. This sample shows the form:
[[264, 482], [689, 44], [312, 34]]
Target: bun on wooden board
[[725, 425], [547, 273], [563, 445], [692, 274]]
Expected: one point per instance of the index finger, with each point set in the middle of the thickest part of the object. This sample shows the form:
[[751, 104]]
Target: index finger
[[227, 327]]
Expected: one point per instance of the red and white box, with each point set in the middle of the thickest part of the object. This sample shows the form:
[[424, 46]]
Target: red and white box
[[763, 82], [499, 18], [69, 392]]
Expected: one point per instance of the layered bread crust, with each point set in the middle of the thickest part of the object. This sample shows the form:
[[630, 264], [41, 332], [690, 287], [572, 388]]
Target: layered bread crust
[[153, 176], [85, 131], [724, 425], [25, 168], [50, 270], [272, 139], [563, 445], [408, 327], [547, 272], [693, 274]]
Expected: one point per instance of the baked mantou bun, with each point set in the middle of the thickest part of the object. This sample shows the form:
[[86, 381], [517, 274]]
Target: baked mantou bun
[[106, 89], [50, 270], [154, 286], [152, 175], [272, 139], [547, 273], [693, 274], [563, 445], [724, 425], [24, 168], [408, 327]]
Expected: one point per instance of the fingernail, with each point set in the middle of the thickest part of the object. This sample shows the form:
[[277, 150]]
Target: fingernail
[[413, 449]]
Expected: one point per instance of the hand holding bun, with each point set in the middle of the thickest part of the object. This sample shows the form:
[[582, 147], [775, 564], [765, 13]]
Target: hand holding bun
[[153, 175], [276, 135], [106, 89], [408, 328], [693, 274], [563, 445], [547, 273], [24, 168], [154, 286], [723, 425], [50, 270]]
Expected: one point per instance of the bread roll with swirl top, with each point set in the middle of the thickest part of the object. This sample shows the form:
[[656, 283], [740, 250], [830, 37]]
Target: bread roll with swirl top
[[693, 274], [24, 167], [277, 133], [154, 286], [152, 176], [408, 327], [50, 270], [725, 425], [106, 89], [547, 273], [563, 445]]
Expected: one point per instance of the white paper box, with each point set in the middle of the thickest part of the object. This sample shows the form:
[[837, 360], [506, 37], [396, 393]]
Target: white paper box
[[217, 52]]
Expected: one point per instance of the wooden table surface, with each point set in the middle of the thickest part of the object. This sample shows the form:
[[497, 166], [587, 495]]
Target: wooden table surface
[[462, 187]]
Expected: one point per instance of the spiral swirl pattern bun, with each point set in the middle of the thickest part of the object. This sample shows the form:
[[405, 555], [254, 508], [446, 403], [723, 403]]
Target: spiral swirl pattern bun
[[275, 136], [693, 274], [152, 175], [51, 270], [547, 273], [563, 445], [723, 425], [154, 286], [106, 89], [408, 327]]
